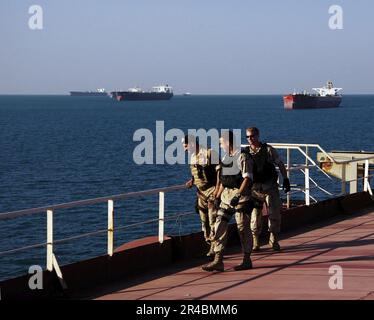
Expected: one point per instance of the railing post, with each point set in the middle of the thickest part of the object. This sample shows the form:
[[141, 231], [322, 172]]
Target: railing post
[[110, 227], [307, 187], [366, 176], [288, 175], [161, 216], [50, 240], [344, 190], [352, 174]]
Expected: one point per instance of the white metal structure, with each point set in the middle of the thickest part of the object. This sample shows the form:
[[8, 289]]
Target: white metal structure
[[328, 90], [162, 88], [135, 89]]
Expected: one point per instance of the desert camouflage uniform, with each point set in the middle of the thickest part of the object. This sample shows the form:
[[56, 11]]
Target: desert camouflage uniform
[[204, 175]]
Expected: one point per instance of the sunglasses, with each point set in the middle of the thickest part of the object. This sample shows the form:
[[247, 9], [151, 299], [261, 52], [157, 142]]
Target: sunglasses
[[252, 136]]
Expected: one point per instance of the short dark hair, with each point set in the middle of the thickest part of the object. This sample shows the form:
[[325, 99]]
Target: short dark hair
[[253, 129]]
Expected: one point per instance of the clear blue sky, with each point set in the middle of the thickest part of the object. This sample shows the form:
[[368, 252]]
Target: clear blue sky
[[200, 46]]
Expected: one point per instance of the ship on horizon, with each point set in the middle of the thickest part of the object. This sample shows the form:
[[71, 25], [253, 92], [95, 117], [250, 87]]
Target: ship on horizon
[[98, 93], [326, 97], [162, 92]]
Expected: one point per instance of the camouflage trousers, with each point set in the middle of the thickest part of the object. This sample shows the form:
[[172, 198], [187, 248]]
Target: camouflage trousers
[[208, 214], [242, 219], [272, 200]]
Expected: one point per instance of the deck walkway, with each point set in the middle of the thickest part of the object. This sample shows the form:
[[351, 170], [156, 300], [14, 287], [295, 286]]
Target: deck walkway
[[300, 271]]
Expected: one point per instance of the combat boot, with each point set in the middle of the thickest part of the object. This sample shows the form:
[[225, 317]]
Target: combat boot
[[216, 264], [246, 264], [273, 242], [256, 244]]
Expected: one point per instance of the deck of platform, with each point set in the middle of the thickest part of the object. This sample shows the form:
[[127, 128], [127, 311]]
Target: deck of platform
[[300, 271]]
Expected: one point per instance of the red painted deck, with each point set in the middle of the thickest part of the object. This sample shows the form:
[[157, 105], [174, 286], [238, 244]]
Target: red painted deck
[[300, 271]]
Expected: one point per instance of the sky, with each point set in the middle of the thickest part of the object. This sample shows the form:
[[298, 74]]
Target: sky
[[197, 46]]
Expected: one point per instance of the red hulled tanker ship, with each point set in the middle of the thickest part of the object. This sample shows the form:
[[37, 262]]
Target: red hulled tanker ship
[[326, 97]]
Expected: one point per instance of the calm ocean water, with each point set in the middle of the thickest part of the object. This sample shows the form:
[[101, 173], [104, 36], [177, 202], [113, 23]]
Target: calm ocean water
[[56, 149]]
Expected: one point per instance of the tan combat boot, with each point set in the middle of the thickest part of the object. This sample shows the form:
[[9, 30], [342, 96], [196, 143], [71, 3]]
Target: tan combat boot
[[216, 264], [273, 242], [246, 264], [256, 244]]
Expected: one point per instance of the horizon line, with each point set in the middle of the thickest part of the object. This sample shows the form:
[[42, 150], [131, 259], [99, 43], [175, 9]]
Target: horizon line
[[181, 94]]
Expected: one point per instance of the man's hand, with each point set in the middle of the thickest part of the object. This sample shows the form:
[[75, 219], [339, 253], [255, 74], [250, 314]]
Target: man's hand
[[235, 201], [189, 184], [216, 203], [286, 185]]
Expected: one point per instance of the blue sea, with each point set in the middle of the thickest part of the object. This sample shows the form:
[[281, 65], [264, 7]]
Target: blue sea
[[57, 149]]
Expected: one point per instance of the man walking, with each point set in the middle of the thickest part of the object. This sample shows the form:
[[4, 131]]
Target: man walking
[[235, 180], [265, 187], [204, 177]]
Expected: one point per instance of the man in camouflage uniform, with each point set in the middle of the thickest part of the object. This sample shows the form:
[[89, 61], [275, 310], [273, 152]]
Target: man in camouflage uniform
[[204, 177], [234, 191], [265, 187]]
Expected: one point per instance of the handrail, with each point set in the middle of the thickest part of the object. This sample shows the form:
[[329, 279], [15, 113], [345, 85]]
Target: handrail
[[51, 261], [67, 205], [322, 150], [344, 163], [93, 233]]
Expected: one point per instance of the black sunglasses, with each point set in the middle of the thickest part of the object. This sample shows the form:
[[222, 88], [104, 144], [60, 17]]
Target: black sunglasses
[[251, 136]]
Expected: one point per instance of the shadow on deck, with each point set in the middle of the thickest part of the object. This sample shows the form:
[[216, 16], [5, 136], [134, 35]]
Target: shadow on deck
[[335, 232], [299, 271]]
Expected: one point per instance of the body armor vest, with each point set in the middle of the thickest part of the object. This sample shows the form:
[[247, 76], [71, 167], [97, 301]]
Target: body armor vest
[[235, 180], [263, 170], [205, 176]]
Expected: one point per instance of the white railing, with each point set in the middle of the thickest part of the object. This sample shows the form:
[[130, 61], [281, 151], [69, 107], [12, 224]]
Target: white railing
[[51, 260], [304, 150]]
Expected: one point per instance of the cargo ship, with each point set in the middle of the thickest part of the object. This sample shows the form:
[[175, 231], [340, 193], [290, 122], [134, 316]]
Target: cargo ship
[[325, 97], [98, 93], [162, 92]]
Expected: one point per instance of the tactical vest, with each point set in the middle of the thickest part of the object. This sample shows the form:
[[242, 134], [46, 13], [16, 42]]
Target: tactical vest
[[263, 170], [205, 176], [232, 181]]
